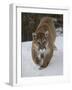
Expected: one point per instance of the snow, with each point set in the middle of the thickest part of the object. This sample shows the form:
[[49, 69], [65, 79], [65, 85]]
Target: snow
[[55, 67], [59, 31]]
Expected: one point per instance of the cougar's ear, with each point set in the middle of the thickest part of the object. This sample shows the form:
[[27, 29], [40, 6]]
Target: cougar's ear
[[46, 34], [34, 36]]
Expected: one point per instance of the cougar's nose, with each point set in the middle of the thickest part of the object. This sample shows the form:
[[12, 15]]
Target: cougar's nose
[[42, 47], [42, 55]]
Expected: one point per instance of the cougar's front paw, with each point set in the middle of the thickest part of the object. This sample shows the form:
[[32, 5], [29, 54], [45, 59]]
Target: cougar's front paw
[[41, 68]]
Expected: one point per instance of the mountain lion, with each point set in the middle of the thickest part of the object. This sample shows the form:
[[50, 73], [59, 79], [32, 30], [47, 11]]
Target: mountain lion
[[43, 42]]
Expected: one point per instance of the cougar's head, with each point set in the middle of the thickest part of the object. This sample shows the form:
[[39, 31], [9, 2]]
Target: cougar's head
[[41, 42]]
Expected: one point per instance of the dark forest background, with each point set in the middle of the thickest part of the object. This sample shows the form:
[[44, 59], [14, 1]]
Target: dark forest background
[[30, 21]]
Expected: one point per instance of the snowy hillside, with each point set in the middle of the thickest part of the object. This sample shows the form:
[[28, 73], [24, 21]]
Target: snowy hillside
[[55, 67]]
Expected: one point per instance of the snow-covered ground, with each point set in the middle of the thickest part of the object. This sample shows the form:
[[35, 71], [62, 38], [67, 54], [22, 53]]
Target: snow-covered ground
[[55, 66]]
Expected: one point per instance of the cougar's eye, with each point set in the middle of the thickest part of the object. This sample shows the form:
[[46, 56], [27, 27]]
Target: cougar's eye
[[38, 42]]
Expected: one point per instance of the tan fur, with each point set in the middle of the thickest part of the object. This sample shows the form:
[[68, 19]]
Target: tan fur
[[46, 24]]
